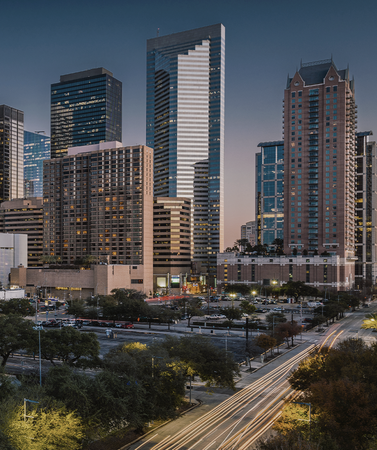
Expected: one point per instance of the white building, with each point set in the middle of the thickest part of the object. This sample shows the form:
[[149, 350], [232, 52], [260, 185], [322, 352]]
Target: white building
[[13, 252]]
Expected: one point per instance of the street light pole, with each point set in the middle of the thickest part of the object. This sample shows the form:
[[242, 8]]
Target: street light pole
[[39, 328]]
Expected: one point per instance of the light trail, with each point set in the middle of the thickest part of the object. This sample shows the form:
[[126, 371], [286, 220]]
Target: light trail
[[266, 393]]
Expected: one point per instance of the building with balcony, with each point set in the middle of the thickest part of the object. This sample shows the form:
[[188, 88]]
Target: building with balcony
[[248, 231], [319, 161], [98, 201]]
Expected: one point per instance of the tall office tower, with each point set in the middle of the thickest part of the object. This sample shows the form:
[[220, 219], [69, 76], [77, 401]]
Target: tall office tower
[[11, 153], [36, 150], [98, 201], [366, 210], [319, 161], [269, 193], [185, 127], [86, 108], [25, 216]]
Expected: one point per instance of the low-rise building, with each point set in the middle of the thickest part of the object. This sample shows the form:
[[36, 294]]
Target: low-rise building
[[67, 283], [331, 272]]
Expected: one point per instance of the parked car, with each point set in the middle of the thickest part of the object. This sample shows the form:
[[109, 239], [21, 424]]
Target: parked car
[[278, 309]]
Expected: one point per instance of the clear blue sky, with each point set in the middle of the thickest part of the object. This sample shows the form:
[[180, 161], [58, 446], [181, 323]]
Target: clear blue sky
[[265, 40]]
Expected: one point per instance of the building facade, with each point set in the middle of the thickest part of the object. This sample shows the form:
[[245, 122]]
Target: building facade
[[171, 243], [185, 127], [323, 272], [13, 252], [11, 153], [86, 108], [248, 231], [37, 148], [269, 193], [98, 201], [319, 160], [366, 211], [25, 216]]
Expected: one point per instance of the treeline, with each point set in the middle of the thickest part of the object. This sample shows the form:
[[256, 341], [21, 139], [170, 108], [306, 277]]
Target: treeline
[[341, 387]]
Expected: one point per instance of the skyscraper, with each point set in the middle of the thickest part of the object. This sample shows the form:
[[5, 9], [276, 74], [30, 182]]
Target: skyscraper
[[36, 150], [366, 210], [319, 161], [11, 153], [86, 108], [269, 201], [185, 127]]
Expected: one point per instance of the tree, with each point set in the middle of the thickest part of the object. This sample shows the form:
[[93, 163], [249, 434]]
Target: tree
[[70, 346], [274, 318], [50, 428], [297, 289], [247, 307], [190, 307], [241, 244], [231, 313], [370, 322], [237, 288], [288, 330], [76, 308], [200, 356], [279, 246], [16, 334], [266, 342], [19, 306]]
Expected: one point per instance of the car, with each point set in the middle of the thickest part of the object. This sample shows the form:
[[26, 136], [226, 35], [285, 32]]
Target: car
[[308, 320], [278, 309], [127, 325], [86, 322], [261, 310]]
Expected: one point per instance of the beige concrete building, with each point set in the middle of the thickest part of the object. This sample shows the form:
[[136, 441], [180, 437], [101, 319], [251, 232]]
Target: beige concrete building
[[81, 283], [171, 243], [25, 216], [331, 272]]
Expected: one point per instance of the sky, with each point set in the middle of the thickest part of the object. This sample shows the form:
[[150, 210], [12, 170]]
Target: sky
[[265, 41]]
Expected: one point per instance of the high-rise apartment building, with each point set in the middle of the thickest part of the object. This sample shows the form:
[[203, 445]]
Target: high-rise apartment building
[[366, 210], [185, 127], [25, 216], [269, 193], [86, 108], [319, 161], [11, 153], [36, 150], [98, 201]]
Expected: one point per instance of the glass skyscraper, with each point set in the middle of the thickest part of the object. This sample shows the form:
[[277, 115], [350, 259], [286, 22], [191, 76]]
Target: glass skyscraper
[[269, 202], [86, 108], [36, 150], [185, 126], [11, 153]]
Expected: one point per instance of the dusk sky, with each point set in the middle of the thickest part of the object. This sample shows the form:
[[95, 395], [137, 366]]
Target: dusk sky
[[265, 41]]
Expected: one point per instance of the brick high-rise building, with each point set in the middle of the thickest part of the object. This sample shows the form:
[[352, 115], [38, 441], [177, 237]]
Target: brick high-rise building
[[319, 162]]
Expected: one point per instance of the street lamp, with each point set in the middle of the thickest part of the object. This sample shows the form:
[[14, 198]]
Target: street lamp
[[232, 296], [39, 328]]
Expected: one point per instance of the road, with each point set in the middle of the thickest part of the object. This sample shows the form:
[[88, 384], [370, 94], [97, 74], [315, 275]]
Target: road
[[238, 421]]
